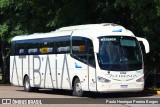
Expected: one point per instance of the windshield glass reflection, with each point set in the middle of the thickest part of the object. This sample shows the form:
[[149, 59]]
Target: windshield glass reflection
[[119, 53]]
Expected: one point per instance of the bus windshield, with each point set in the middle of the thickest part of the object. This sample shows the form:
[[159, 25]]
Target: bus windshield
[[119, 53]]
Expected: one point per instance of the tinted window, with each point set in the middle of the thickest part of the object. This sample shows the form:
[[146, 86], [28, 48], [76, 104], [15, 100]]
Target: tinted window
[[82, 50], [13, 48], [62, 45], [119, 53], [32, 47], [57, 45], [46, 46], [20, 48]]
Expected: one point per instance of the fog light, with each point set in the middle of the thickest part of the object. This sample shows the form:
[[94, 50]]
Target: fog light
[[140, 79], [101, 79]]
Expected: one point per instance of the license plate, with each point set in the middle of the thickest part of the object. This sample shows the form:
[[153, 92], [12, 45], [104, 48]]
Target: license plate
[[124, 86]]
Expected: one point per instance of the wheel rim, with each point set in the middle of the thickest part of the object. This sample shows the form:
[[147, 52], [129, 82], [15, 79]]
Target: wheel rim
[[27, 85], [78, 88]]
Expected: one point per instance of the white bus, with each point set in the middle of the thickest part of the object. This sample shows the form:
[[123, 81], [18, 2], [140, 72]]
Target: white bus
[[96, 57]]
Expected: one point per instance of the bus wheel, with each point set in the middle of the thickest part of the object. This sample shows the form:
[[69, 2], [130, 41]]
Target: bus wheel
[[77, 88], [27, 86]]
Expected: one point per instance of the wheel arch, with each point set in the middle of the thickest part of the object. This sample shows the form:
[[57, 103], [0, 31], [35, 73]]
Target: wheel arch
[[74, 80], [25, 78]]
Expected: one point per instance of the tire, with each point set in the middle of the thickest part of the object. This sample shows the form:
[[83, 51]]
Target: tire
[[27, 86], [77, 88]]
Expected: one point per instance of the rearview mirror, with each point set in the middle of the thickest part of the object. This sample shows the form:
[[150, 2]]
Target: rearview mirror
[[145, 43]]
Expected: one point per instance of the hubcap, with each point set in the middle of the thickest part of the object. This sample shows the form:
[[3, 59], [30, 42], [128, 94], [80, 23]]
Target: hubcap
[[78, 87], [27, 84]]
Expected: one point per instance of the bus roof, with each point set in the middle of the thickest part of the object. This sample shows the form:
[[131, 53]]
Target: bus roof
[[87, 26], [95, 30]]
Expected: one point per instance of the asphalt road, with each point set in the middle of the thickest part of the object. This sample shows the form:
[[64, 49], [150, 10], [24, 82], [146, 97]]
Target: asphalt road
[[59, 98]]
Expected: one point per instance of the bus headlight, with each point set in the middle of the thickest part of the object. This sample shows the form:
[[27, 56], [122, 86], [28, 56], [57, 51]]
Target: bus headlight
[[101, 79], [140, 79]]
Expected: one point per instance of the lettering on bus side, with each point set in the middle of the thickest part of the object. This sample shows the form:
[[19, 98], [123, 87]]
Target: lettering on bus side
[[14, 67], [22, 57], [36, 70], [36, 61], [48, 64]]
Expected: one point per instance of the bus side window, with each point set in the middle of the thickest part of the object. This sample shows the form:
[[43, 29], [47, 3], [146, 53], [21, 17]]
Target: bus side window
[[91, 58], [13, 48], [62, 45], [20, 48], [21, 51], [77, 42], [46, 46], [32, 47], [86, 54], [16, 49]]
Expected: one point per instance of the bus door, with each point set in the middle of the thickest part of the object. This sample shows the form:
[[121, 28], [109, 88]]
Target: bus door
[[92, 78], [91, 69]]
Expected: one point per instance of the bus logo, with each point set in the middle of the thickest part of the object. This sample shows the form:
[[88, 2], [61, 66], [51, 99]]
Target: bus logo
[[123, 76], [124, 86], [77, 66]]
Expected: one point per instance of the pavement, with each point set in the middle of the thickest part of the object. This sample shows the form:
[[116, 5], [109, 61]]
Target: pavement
[[13, 92], [58, 98], [146, 91]]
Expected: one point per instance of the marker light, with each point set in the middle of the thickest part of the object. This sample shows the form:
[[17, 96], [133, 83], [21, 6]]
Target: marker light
[[44, 50], [81, 48], [117, 30]]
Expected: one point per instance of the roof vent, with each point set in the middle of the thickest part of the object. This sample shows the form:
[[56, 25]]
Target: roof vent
[[110, 24]]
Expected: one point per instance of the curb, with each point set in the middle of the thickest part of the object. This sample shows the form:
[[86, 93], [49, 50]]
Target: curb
[[4, 84], [1, 84], [151, 92]]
